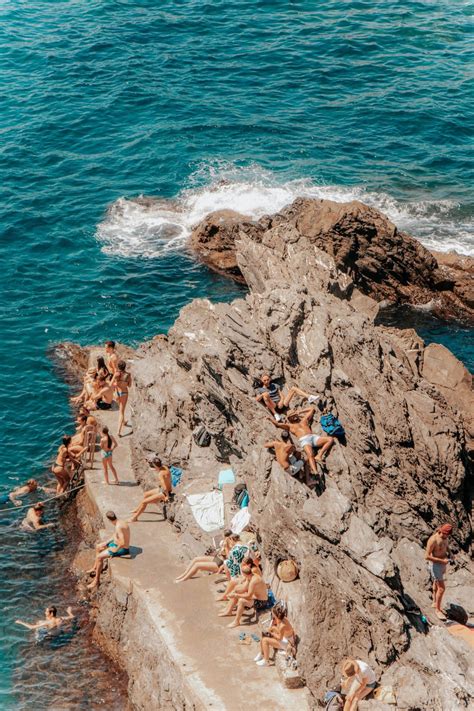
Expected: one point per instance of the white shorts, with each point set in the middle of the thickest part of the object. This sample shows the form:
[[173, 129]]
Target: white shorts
[[312, 439]]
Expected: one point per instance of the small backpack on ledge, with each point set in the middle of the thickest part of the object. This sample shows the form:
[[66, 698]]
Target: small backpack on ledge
[[201, 436], [331, 425]]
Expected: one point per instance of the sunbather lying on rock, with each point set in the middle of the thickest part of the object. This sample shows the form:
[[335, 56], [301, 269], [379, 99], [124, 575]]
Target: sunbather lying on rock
[[159, 495], [286, 454], [280, 636], [358, 681], [299, 425], [256, 596], [437, 554], [209, 563], [116, 547], [273, 398]]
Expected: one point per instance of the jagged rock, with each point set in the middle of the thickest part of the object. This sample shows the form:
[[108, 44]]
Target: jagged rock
[[383, 262], [358, 545]]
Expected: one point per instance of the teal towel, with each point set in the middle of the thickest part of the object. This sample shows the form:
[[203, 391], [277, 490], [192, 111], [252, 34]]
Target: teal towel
[[226, 476]]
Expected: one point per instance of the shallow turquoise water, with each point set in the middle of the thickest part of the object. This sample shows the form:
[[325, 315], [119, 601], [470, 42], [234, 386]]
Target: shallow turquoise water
[[103, 101]]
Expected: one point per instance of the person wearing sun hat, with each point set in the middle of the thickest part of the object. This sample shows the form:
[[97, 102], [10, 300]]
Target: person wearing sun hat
[[437, 551]]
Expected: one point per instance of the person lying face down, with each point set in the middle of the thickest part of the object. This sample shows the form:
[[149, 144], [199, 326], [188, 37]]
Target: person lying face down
[[286, 454], [272, 396], [299, 425]]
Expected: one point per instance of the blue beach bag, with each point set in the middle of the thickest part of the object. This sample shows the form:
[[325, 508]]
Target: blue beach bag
[[331, 425]]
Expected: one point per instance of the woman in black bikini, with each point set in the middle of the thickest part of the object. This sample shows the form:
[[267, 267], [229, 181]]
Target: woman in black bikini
[[121, 381]]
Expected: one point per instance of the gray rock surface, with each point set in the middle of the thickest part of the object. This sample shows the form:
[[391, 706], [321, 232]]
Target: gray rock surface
[[386, 264], [403, 471]]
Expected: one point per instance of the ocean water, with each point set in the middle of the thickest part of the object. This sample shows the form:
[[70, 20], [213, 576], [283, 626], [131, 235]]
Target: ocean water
[[204, 105]]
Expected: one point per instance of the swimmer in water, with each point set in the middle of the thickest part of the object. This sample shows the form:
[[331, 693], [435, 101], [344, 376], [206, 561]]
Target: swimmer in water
[[52, 620], [14, 497], [33, 520]]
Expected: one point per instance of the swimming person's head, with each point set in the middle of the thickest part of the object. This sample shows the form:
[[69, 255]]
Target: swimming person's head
[[51, 611], [32, 484], [111, 516], [105, 431], [121, 365], [39, 507], [67, 440]]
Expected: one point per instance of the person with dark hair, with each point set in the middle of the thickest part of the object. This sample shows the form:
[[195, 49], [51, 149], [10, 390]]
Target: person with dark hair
[[437, 555], [208, 563], [102, 370], [273, 398], [286, 454], [107, 446], [116, 547], [51, 621], [280, 636], [33, 520], [122, 381], [159, 495], [358, 681], [111, 357], [65, 461]]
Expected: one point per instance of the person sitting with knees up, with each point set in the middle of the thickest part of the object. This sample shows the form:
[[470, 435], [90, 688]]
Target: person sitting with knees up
[[273, 398], [358, 681], [161, 494], [280, 636], [208, 563], [104, 394], [256, 595], [286, 454], [116, 547]]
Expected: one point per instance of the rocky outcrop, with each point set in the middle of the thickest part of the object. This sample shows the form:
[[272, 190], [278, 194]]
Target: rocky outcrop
[[383, 262], [308, 320]]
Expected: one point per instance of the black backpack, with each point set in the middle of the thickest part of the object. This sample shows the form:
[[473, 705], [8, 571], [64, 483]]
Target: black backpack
[[240, 491], [457, 614]]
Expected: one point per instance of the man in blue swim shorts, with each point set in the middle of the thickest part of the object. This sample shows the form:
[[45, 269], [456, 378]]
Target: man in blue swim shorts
[[117, 547]]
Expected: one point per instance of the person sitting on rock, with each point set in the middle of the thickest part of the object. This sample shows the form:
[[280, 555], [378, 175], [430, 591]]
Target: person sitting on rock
[[209, 563], [87, 388], [286, 454], [273, 398], [253, 558], [104, 395], [299, 425], [161, 494], [437, 551], [116, 547], [280, 636], [358, 681], [255, 596]]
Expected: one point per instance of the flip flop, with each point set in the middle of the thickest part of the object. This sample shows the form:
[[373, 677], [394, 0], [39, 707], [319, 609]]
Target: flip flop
[[255, 637], [242, 636]]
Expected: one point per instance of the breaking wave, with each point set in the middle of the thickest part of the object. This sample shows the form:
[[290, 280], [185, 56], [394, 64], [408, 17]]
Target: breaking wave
[[149, 227]]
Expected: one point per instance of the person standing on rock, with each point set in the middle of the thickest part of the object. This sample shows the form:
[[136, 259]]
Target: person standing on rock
[[114, 548], [299, 425], [437, 551], [122, 381], [273, 398], [111, 357]]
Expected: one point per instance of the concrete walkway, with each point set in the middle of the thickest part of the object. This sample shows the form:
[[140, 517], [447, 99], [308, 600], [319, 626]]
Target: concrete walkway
[[216, 666]]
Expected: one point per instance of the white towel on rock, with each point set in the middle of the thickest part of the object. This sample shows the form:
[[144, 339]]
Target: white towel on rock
[[208, 509]]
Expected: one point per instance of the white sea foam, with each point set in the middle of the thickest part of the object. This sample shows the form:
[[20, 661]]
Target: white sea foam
[[150, 227]]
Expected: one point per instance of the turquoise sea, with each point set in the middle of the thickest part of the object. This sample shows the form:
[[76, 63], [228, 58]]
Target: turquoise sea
[[206, 104]]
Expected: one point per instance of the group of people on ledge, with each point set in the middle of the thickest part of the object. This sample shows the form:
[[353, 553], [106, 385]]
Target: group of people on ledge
[[297, 423]]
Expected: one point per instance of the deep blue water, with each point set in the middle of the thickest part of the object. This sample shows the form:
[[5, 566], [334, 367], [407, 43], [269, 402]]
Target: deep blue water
[[104, 101]]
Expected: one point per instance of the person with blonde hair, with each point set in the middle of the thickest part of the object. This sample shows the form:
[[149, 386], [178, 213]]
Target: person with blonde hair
[[358, 682]]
